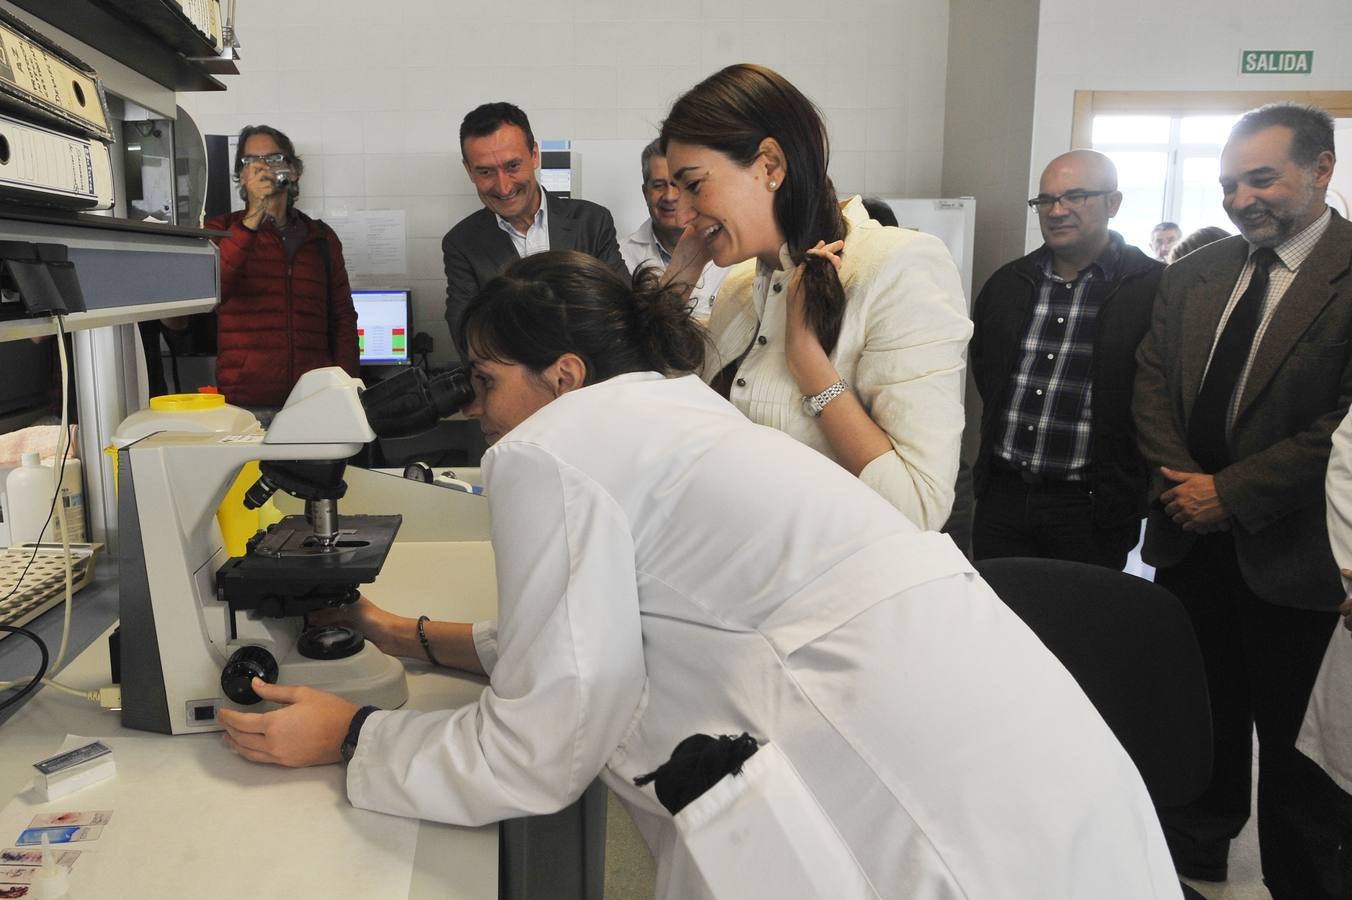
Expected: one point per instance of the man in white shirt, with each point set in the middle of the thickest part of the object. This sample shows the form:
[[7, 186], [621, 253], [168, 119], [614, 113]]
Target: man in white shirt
[[652, 244], [519, 217]]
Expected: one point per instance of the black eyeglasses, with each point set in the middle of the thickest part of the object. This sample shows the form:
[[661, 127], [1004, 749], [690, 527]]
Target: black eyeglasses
[[1070, 200]]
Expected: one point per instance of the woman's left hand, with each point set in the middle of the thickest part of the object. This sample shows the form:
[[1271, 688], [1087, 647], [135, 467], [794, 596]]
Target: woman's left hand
[[307, 731], [808, 363]]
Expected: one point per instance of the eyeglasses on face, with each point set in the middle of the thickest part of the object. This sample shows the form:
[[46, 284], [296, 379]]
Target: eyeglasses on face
[[658, 185], [270, 159], [1069, 200]]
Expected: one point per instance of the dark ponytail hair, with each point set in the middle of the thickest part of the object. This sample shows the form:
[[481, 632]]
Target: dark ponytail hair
[[733, 111], [549, 304]]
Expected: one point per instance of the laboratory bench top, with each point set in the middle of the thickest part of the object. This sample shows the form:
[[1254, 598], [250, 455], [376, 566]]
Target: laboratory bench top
[[448, 861]]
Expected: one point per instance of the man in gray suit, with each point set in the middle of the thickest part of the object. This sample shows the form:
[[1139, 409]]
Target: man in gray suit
[[1242, 379], [519, 217]]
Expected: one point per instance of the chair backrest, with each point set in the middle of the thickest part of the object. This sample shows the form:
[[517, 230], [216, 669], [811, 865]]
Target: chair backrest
[[1132, 649]]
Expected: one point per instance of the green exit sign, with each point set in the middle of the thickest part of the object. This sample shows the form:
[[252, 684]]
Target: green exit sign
[[1276, 62]]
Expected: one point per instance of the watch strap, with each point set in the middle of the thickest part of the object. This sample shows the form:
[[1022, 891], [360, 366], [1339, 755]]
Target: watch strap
[[814, 404], [349, 745]]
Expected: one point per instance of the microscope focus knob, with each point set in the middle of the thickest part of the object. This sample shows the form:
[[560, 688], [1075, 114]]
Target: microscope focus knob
[[243, 666]]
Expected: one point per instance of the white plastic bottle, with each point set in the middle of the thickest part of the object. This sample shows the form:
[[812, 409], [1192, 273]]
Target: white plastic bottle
[[29, 489], [4, 521]]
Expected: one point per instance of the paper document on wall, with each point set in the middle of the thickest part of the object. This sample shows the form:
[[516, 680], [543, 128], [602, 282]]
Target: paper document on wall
[[374, 240], [189, 818], [43, 166]]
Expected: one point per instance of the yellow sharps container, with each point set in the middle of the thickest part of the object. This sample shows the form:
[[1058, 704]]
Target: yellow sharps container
[[204, 413]]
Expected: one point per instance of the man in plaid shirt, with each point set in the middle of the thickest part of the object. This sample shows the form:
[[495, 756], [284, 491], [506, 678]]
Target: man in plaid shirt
[[1058, 474]]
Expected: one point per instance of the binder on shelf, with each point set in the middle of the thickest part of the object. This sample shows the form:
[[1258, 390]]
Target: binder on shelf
[[41, 81], [192, 27], [45, 167]]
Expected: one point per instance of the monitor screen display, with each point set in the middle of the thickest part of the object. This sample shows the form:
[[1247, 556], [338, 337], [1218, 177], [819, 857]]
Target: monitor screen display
[[383, 327]]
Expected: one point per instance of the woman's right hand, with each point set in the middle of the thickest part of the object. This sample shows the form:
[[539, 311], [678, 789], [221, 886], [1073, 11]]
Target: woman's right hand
[[687, 260], [378, 626]]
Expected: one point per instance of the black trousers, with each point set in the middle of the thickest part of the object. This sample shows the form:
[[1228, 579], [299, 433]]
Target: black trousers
[[1049, 521], [1261, 661]]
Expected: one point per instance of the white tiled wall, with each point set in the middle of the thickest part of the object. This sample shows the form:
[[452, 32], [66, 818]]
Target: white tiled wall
[[373, 93], [1164, 45]]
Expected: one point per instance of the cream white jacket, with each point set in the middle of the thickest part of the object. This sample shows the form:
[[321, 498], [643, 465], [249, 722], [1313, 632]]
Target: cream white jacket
[[665, 567], [902, 349]]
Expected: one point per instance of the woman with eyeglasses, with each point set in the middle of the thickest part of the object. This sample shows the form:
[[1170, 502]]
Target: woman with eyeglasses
[[286, 305], [846, 335], [666, 568]]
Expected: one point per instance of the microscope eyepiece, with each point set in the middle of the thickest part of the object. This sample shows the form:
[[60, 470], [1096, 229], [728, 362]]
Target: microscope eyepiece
[[411, 402]]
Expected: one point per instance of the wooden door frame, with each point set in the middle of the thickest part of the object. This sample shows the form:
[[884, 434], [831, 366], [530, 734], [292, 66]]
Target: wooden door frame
[[1173, 103]]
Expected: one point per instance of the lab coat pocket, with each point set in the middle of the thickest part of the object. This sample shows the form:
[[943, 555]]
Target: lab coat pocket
[[760, 833]]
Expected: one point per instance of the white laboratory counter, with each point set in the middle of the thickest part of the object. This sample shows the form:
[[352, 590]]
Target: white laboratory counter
[[451, 578], [448, 861]]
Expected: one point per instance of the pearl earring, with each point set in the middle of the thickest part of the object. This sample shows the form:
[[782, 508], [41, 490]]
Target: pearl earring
[[773, 185]]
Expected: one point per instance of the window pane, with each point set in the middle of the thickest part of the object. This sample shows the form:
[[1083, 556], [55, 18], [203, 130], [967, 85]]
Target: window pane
[[1340, 188], [1140, 178], [1131, 130], [1206, 129], [1199, 195]]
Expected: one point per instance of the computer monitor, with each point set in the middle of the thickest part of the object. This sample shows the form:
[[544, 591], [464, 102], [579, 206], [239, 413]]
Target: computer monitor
[[383, 326]]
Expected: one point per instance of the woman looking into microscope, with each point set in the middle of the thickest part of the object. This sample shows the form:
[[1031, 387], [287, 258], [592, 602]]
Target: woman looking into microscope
[[666, 567]]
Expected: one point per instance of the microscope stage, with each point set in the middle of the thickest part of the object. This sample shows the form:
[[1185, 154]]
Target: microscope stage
[[290, 551]]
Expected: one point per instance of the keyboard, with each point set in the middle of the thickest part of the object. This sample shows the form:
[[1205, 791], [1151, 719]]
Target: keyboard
[[44, 582]]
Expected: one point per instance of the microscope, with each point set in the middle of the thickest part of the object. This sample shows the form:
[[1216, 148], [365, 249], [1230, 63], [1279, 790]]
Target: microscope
[[198, 625]]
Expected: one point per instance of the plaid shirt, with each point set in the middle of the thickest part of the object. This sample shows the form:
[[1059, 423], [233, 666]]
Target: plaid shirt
[[1048, 417]]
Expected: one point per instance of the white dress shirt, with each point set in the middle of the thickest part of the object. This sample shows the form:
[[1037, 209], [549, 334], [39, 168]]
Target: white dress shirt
[[536, 238]]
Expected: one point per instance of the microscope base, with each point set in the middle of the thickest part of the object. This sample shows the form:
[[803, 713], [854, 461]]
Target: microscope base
[[367, 678]]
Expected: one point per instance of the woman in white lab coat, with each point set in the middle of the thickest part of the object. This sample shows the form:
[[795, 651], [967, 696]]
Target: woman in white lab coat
[[665, 567]]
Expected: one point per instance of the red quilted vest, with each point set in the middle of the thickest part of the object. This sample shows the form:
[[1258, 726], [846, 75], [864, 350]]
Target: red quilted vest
[[277, 318]]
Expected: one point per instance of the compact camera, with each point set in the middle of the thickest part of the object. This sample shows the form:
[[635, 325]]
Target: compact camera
[[282, 176]]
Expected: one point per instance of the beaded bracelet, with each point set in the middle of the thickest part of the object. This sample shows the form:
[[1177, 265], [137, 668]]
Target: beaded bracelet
[[426, 645]]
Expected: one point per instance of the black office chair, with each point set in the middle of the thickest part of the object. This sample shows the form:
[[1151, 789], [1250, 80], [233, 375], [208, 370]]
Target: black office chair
[[1130, 646]]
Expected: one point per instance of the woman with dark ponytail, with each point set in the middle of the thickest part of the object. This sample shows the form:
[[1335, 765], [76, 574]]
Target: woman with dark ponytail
[[666, 568], [844, 334]]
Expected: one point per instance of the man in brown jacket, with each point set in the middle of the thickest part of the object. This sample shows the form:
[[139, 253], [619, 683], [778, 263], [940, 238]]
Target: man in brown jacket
[[1240, 383]]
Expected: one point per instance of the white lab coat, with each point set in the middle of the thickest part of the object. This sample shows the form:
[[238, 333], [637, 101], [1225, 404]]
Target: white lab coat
[[641, 249], [1326, 734], [666, 567]]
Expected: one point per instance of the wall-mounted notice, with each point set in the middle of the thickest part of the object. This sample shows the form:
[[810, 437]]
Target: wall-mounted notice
[[374, 240], [1276, 62]]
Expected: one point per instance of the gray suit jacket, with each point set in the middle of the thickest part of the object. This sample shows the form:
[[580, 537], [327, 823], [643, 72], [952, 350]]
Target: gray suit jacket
[[1297, 393], [477, 249]]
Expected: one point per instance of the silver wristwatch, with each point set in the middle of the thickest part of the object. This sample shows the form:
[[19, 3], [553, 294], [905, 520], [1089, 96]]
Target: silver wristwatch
[[814, 405]]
